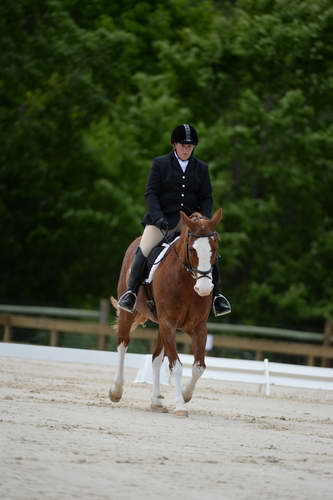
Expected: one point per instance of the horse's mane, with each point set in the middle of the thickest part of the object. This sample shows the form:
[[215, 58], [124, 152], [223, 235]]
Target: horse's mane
[[196, 215]]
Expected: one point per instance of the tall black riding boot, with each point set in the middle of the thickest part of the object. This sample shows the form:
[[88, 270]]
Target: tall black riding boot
[[221, 304], [128, 300]]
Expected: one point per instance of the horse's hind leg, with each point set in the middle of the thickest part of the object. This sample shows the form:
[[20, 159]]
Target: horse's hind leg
[[199, 339], [124, 326], [158, 355]]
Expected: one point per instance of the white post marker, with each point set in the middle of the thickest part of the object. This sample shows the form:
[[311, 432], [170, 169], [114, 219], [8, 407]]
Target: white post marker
[[267, 381], [145, 373], [209, 342]]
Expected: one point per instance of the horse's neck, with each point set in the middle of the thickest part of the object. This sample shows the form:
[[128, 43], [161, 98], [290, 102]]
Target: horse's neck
[[181, 248]]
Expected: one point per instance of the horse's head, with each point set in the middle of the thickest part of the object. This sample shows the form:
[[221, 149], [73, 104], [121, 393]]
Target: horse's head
[[200, 249]]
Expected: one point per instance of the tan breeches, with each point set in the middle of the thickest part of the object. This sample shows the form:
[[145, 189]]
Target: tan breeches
[[152, 235]]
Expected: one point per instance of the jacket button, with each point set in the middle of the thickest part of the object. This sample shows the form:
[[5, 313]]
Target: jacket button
[[182, 204], [183, 177], [183, 185], [183, 194]]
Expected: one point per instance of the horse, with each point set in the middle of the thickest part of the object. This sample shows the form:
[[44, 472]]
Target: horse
[[182, 289]]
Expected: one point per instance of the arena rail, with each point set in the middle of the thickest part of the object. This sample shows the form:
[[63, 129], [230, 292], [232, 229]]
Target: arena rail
[[263, 373]]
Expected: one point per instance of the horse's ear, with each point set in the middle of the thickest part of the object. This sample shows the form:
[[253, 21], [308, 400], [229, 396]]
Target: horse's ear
[[184, 217], [216, 217], [186, 220]]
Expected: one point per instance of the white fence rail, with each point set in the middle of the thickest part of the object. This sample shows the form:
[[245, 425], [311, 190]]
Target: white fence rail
[[258, 372], [263, 373], [66, 354]]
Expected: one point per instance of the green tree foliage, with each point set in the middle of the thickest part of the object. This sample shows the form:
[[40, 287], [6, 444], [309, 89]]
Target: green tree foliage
[[278, 194], [90, 91]]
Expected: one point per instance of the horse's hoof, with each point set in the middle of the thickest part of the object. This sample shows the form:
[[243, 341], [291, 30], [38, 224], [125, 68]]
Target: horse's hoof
[[187, 398], [180, 413], [115, 398], [159, 408]]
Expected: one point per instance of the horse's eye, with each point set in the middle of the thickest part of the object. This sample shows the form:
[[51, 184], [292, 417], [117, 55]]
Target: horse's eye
[[191, 249]]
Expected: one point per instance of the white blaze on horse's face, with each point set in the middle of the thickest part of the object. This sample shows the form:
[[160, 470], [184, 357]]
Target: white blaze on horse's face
[[204, 285]]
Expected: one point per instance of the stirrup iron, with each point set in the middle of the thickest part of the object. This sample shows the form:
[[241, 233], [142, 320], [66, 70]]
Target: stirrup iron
[[126, 302]]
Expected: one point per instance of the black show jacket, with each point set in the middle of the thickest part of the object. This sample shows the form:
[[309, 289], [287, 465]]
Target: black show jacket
[[170, 190]]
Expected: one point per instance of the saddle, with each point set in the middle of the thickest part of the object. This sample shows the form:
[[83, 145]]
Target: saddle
[[156, 256]]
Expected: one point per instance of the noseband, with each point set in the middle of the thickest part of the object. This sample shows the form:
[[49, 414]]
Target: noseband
[[187, 265]]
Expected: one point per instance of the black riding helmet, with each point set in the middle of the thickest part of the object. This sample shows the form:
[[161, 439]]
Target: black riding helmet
[[185, 134]]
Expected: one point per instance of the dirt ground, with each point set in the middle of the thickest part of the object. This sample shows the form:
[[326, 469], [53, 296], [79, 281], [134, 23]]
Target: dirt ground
[[61, 438]]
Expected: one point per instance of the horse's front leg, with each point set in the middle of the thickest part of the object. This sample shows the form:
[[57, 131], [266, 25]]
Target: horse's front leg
[[116, 390], [124, 326], [199, 339], [168, 336]]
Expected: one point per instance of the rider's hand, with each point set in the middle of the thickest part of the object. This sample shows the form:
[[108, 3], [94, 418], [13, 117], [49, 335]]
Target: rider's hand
[[162, 223]]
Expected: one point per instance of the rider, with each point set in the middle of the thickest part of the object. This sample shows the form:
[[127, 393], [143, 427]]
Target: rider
[[177, 181]]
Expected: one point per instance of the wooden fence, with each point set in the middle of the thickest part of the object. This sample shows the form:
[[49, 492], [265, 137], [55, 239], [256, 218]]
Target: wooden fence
[[261, 347]]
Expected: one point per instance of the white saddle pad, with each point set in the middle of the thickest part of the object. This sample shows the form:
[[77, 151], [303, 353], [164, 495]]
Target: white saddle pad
[[159, 258]]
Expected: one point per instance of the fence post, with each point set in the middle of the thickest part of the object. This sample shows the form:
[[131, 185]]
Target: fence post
[[54, 338], [186, 348], [104, 312], [7, 336], [311, 360], [328, 332]]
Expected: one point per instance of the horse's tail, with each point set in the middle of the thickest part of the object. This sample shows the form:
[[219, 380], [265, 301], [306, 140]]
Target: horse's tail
[[114, 324], [139, 319], [114, 302]]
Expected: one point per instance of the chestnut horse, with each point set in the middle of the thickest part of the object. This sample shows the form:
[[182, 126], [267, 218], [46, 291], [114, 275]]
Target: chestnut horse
[[182, 289]]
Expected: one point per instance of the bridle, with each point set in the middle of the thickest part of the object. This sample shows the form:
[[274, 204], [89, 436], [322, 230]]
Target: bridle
[[195, 271]]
